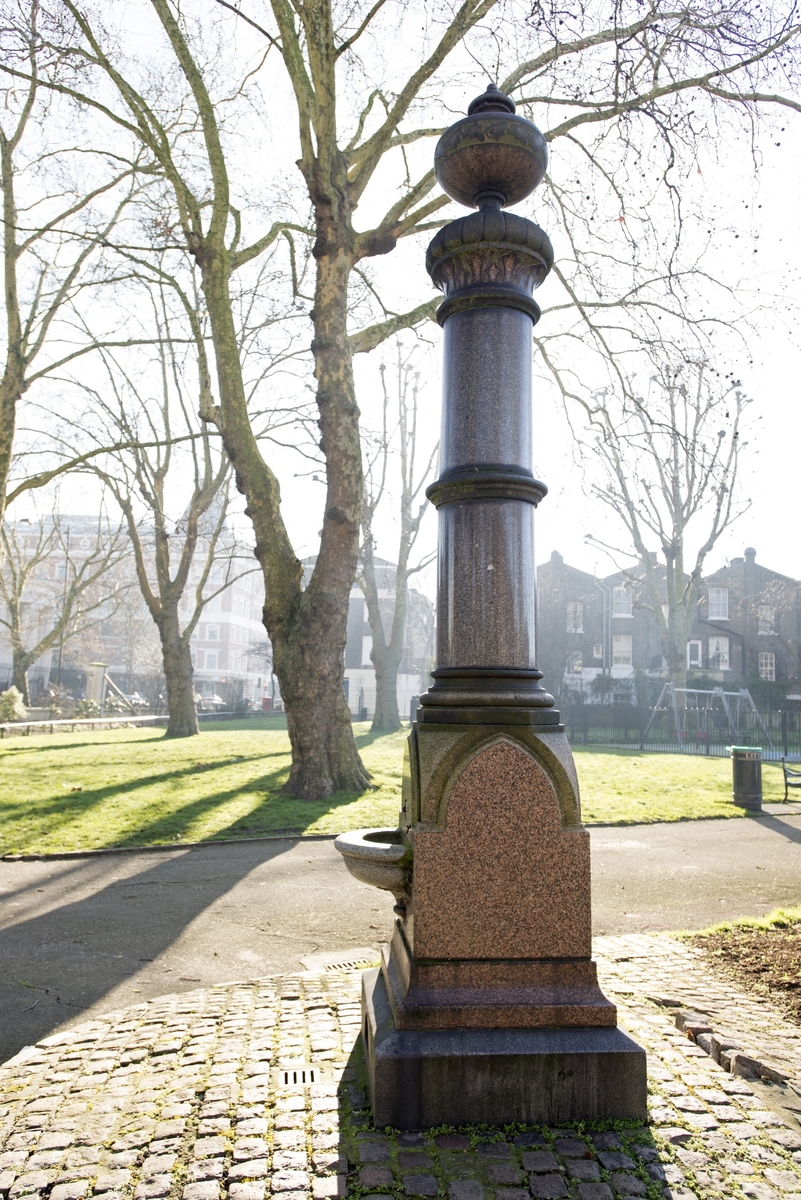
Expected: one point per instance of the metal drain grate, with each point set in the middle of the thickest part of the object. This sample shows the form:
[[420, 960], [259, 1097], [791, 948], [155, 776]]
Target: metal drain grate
[[342, 960], [299, 1075], [350, 964]]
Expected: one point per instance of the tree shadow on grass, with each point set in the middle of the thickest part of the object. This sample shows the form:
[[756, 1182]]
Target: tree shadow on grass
[[59, 810], [274, 812], [149, 809], [20, 745]]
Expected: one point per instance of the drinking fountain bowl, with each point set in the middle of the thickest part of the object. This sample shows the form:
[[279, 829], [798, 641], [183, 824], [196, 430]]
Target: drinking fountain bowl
[[379, 857]]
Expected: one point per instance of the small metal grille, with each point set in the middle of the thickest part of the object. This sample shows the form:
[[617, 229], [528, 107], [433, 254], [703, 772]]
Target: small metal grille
[[299, 1075], [348, 964]]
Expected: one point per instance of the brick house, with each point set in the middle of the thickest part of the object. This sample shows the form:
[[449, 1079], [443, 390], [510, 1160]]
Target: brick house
[[747, 628]]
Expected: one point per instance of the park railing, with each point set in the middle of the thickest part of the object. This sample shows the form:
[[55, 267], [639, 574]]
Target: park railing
[[636, 727], [70, 724]]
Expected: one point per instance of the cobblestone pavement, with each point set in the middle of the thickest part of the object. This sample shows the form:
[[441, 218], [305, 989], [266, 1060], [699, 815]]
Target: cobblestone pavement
[[253, 1089]]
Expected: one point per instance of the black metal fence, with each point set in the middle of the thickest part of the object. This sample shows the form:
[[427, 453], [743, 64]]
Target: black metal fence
[[626, 726]]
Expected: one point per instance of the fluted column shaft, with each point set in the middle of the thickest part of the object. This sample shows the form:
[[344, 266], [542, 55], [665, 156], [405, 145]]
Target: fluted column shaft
[[487, 264]]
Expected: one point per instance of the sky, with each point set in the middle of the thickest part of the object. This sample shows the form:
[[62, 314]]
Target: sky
[[759, 194], [770, 465]]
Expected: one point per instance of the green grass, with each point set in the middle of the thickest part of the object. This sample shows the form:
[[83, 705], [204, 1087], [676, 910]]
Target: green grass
[[778, 918], [134, 787], [625, 786]]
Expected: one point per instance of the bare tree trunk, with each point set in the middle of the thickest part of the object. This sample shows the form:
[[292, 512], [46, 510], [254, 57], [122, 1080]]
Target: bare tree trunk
[[19, 672], [677, 669], [386, 654], [307, 627], [12, 383], [179, 676], [309, 668], [386, 718]]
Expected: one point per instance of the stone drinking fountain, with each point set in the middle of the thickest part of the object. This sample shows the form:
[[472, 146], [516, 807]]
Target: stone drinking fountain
[[487, 1006]]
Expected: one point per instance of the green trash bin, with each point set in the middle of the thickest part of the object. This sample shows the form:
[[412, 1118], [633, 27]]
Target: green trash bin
[[746, 777]]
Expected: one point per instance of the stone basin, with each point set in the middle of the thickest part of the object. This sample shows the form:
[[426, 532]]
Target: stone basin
[[380, 857]]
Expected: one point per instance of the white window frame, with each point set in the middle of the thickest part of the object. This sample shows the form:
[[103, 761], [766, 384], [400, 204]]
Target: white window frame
[[574, 663], [622, 594], [598, 650], [767, 666], [699, 664], [211, 665], [767, 623], [717, 601], [622, 650], [213, 633], [575, 616], [719, 650]]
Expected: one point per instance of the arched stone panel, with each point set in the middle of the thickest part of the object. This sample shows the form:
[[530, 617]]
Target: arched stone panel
[[504, 879]]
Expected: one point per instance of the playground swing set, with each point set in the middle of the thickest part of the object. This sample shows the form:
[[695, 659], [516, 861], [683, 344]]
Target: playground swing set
[[691, 719]]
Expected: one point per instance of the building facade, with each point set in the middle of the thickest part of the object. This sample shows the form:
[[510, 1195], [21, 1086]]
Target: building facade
[[229, 645], [595, 635]]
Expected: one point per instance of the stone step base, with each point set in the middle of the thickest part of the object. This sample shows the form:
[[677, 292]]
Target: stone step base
[[420, 1079]]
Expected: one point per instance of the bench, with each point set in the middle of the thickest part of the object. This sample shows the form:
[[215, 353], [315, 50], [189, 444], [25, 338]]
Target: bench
[[791, 778]]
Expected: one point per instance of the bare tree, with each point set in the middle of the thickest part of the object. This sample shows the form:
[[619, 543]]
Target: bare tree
[[671, 461], [61, 199], [58, 581], [634, 76], [136, 640], [171, 452], [398, 440]]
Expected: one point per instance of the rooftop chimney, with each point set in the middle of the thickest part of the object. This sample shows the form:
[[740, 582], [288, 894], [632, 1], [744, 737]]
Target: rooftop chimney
[[750, 554]]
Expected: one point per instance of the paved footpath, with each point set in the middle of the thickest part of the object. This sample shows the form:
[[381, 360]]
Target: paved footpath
[[87, 935], [256, 1089]]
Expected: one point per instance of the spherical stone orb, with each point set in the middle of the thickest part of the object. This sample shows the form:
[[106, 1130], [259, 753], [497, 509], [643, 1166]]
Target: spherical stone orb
[[491, 155]]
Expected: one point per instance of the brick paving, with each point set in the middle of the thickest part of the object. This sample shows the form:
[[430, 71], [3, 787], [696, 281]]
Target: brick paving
[[252, 1090]]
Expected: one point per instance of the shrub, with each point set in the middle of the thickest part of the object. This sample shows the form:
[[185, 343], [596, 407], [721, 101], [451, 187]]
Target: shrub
[[12, 707], [87, 708]]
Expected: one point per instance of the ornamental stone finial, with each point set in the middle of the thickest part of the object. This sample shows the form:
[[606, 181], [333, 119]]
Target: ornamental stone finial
[[488, 160], [492, 157]]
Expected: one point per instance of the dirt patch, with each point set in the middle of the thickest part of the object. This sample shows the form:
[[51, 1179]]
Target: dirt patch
[[766, 961]]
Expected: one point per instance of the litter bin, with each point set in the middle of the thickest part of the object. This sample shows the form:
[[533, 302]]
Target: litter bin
[[746, 777]]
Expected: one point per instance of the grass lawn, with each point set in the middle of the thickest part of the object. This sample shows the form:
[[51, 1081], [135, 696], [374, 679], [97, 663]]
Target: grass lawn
[[133, 787]]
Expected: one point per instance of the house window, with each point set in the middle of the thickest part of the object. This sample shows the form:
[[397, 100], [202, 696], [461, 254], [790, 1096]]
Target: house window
[[718, 654], [621, 650], [766, 615], [575, 616], [213, 633], [574, 664], [695, 655], [621, 602], [767, 665], [367, 645], [598, 651], [211, 661], [718, 603]]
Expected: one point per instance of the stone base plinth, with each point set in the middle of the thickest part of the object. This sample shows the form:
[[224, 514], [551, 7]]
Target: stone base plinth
[[420, 1079], [492, 993]]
